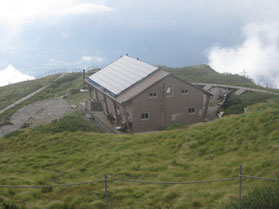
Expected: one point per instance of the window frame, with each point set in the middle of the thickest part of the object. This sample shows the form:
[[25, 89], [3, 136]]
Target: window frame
[[144, 114], [183, 93], [190, 112], [152, 96]]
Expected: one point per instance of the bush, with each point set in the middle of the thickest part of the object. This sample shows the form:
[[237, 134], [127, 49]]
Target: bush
[[70, 123], [237, 103], [260, 198], [10, 206]]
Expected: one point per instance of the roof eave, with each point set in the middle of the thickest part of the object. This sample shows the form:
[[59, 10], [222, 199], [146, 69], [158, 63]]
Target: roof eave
[[100, 90]]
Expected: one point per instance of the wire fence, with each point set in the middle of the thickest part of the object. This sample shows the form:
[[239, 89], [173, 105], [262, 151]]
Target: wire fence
[[107, 177], [59, 71]]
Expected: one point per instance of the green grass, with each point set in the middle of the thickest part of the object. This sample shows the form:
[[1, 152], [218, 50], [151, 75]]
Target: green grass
[[11, 93], [203, 151]]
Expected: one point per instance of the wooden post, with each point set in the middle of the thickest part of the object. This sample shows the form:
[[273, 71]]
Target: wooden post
[[240, 182], [206, 107], [106, 189], [90, 92], [97, 97], [106, 103], [126, 117], [116, 114]]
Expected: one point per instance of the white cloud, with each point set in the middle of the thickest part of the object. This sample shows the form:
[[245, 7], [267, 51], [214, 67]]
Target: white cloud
[[14, 13], [92, 59], [81, 63], [258, 54], [12, 75]]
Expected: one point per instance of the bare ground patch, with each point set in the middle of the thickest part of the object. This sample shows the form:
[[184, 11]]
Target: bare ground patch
[[37, 113]]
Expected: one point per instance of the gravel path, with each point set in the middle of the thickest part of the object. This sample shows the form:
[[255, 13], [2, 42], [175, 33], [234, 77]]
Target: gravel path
[[39, 112]]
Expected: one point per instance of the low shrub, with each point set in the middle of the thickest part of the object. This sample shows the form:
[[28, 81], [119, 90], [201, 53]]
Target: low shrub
[[71, 123], [237, 103], [10, 206], [261, 197]]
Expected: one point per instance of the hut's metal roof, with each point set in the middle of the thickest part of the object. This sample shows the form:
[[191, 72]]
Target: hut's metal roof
[[121, 74]]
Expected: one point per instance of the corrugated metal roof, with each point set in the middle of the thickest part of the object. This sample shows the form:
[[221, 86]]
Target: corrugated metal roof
[[141, 86], [122, 74]]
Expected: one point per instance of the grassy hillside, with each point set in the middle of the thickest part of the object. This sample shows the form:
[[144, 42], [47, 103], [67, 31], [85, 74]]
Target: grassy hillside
[[68, 86], [202, 151], [13, 92], [205, 74]]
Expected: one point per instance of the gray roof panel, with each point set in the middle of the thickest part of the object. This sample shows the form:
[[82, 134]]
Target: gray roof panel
[[122, 74]]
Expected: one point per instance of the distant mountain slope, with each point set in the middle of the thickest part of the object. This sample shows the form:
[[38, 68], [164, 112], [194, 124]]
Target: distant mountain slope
[[205, 74], [203, 151]]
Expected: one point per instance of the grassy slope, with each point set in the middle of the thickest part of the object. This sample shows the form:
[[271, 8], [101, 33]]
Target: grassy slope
[[68, 85], [205, 74], [14, 92], [203, 151]]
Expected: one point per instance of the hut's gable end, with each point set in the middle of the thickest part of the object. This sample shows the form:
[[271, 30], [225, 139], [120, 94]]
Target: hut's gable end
[[168, 101]]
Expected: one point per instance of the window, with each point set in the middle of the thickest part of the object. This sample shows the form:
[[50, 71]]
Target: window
[[169, 90], [191, 110], [144, 116], [184, 91], [152, 94]]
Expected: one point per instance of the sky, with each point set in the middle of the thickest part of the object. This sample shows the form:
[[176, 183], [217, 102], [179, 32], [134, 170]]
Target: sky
[[37, 36]]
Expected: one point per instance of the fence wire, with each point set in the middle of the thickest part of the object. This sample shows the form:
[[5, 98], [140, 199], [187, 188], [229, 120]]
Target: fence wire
[[259, 178], [48, 186], [134, 181], [162, 182]]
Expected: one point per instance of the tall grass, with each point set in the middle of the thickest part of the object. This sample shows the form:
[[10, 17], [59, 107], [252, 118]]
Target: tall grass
[[203, 151]]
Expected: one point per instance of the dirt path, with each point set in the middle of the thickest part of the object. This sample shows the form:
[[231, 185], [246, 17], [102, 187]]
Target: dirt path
[[39, 112]]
